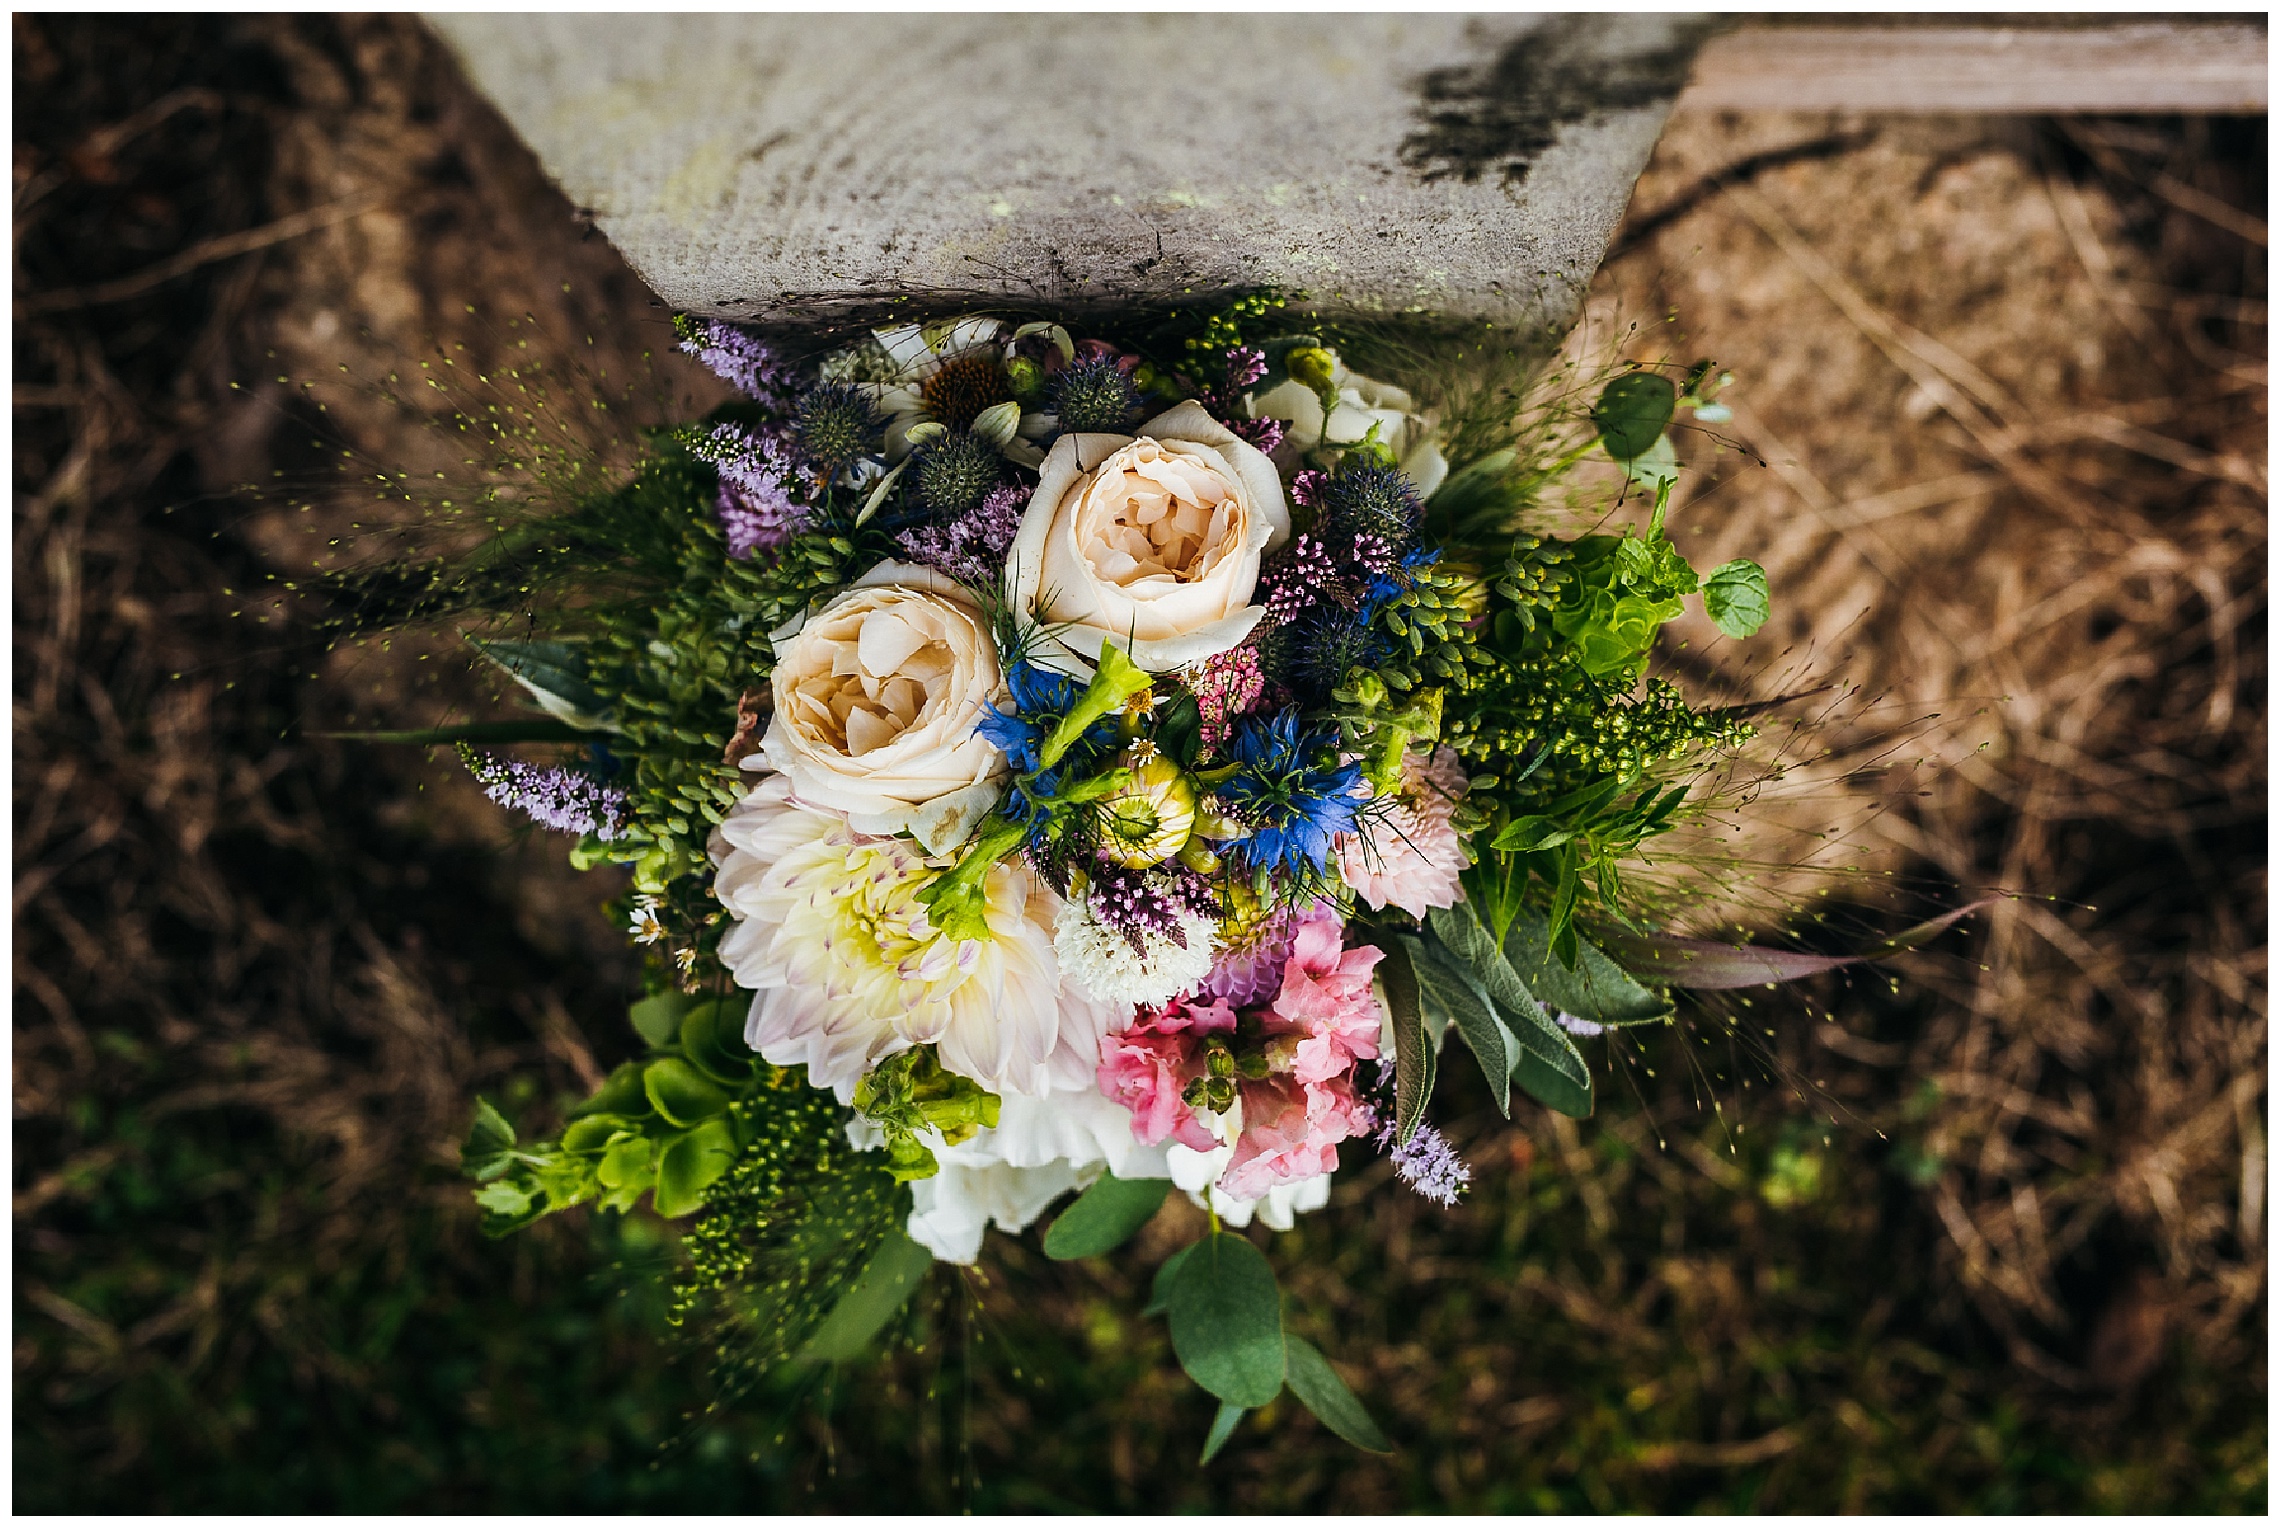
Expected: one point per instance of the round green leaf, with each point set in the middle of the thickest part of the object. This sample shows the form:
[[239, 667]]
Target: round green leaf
[[712, 1037], [689, 1165], [1226, 1318], [680, 1092], [1633, 411], [1104, 1216], [655, 1017], [621, 1094]]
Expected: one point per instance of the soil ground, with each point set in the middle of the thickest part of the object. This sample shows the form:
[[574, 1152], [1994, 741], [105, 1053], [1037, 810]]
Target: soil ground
[[1986, 1236]]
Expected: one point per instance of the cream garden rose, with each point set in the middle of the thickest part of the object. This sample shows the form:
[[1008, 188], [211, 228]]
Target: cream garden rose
[[1151, 541], [876, 699]]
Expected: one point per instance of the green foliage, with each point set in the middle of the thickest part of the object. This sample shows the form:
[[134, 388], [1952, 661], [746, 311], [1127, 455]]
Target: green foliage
[[909, 1093], [669, 1125], [883, 1288], [1466, 980], [1226, 1320], [1414, 1051], [1104, 1217], [1737, 598], [785, 1233], [1632, 413], [1319, 1388]]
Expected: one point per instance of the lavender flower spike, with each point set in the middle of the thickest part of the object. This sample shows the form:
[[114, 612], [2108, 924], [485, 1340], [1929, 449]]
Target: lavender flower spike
[[1429, 1164], [737, 358], [757, 471], [562, 799]]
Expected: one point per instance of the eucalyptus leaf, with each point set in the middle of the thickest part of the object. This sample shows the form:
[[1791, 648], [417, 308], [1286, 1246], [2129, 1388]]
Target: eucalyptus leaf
[[1159, 1292], [1413, 1050], [690, 1164], [1318, 1386], [1222, 1428], [1737, 597], [1226, 1319], [884, 1286], [1104, 1217], [1594, 988], [554, 675]]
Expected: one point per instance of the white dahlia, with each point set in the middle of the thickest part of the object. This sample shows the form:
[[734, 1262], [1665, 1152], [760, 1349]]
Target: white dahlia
[[848, 970]]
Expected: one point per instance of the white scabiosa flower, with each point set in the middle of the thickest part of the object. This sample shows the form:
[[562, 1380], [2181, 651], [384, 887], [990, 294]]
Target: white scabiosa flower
[[1104, 964], [847, 969]]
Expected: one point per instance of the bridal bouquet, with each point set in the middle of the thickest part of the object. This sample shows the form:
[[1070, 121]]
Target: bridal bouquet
[[1054, 764]]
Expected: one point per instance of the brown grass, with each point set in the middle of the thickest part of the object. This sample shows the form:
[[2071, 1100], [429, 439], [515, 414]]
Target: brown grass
[[2008, 380]]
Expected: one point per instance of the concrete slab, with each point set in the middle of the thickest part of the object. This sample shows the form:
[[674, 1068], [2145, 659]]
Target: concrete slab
[[795, 168]]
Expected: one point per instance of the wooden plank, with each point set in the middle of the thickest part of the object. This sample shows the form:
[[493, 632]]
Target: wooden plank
[[2182, 66]]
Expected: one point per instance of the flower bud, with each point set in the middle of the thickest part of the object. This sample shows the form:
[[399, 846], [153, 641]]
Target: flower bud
[[1149, 818], [1311, 366], [1025, 379]]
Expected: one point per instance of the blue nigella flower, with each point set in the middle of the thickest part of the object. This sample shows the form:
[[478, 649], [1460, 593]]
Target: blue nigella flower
[[1041, 698], [1291, 788]]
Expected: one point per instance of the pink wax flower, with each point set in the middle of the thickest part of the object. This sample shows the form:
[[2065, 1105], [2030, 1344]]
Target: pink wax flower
[[1291, 1131], [1407, 854], [1326, 999], [1146, 1065]]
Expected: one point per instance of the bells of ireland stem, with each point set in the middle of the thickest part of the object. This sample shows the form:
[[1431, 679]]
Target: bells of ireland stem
[[1150, 817]]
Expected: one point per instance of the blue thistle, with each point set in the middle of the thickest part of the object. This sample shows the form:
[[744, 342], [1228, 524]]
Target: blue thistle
[[1365, 498], [954, 472], [1291, 789], [835, 424], [1094, 397]]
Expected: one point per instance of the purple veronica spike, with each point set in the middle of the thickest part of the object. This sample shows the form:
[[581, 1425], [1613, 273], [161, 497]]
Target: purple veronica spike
[[562, 799], [972, 547], [740, 360], [757, 471]]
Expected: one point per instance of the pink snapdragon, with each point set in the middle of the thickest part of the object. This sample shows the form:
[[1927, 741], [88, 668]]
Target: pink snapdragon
[[1326, 1000], [1291, 1131], [1292, 1082], [1146, 1066]]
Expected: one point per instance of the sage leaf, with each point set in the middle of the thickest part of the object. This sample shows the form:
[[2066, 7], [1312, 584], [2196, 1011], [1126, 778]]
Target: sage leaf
[[1104, 1217], [1317, 1385], [1226, 1319], [1450, 994], [1594, 988], [554, 675], [1413, 1050]]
